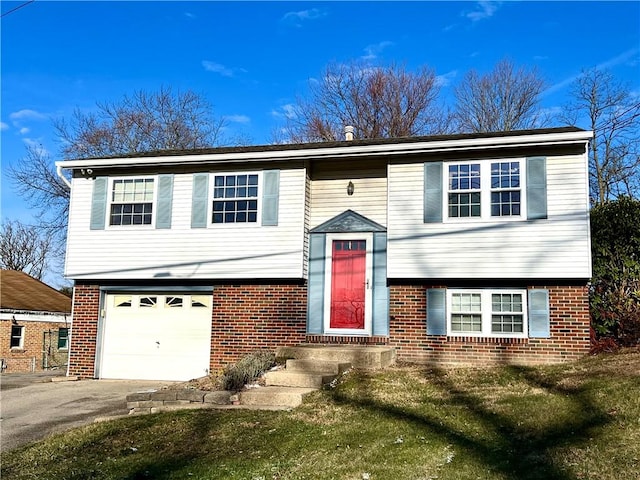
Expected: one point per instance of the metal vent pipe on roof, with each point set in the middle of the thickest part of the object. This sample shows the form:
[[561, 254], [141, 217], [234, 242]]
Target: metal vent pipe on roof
[[348, 133]]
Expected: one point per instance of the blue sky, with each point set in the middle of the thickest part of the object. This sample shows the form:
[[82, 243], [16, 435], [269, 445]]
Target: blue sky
[[251, 59]]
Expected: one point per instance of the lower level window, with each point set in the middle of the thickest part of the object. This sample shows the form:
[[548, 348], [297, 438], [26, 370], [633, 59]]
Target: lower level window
[[487, 312], [17, 336], [63, 339]]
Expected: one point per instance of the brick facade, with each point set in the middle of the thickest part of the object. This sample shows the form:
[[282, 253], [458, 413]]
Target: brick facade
[[39, 348], [250, 317], [86, 309], [569, 324]]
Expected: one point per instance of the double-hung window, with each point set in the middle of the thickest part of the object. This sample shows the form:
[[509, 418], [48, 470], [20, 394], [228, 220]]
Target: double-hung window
[[235, 198], [63, 339], [484, 190], [464, 190], [500, 313], [505, 189], [131, 201], [17, 336]]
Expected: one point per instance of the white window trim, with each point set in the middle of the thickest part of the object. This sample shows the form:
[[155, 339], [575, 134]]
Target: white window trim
[[485, 294], [110, 201], [485, 191], [368, 295], [257, 223], [21, 346]]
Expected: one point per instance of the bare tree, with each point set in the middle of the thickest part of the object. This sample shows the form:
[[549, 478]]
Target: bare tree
[[35, 179], [612, 111], [379, 102], [502, 100], [23, 247], [142, 122]]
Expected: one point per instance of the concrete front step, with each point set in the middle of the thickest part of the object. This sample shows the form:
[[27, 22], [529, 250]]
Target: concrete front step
[[359, 356], [286, 378], [274, 396], [317, 366]]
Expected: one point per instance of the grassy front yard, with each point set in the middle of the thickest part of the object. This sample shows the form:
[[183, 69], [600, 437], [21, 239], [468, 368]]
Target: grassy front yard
[[576, 421]]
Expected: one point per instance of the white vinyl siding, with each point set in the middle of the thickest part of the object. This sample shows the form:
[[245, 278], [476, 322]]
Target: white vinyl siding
[[216, 252], [329, 196], [556, 247]]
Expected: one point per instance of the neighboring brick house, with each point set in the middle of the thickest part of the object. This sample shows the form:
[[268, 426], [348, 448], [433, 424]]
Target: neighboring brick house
[[469, 248], [35, 322]]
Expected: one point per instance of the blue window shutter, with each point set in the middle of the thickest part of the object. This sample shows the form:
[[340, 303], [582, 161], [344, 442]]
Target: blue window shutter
[[199, 200], [433, 192], [270, 194], [536, 188], [315, 288], [99, 203], [539, 313], [436, 311], [380, 292], [165, 201]]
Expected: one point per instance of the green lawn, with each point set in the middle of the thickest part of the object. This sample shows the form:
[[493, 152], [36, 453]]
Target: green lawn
[[574, 421]]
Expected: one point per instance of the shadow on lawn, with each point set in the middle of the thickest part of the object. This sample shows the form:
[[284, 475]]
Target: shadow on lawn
[[510, 448]]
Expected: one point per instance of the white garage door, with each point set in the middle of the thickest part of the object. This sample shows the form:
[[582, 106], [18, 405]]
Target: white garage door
[[156, 336]]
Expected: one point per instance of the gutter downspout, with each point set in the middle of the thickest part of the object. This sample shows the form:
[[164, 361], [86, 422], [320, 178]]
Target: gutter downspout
[[62, 177]]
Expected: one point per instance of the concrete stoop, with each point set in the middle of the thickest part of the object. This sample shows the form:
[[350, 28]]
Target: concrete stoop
[[363, 357], [307, 368], [274, 396]]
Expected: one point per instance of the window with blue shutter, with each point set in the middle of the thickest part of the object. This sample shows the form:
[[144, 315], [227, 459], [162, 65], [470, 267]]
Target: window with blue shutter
[[539, 318], [199, 200], [270, 194], [433, 192], [536, 188], [165, 201], [99, 203], [436, 311]]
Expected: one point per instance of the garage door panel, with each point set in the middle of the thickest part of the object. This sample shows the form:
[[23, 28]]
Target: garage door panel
[[156, 336]]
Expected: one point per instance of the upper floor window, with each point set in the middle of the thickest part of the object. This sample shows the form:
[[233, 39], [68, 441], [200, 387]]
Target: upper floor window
[[132, 201], [484, 190], [505, 189], [487, 312], [464, 190], [17, 336], [235, 198]]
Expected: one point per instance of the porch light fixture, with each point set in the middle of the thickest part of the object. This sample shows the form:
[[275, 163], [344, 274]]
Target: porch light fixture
[[350, 188]]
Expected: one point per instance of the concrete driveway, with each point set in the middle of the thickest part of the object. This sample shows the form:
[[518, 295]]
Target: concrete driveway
[[33, 407]]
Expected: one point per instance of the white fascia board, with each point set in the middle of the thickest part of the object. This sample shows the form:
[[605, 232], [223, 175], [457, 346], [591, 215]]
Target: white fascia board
[[390, 149]]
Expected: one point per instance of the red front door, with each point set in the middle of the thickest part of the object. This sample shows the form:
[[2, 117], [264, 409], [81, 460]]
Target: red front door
[[348, 278]]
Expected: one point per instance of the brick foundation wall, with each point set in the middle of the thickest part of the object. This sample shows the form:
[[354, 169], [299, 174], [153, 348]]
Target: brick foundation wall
[[569, 325], [84, 331], [29, 358], [251, 317]]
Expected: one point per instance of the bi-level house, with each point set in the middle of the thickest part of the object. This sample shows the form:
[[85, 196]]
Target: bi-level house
[[468, 248]]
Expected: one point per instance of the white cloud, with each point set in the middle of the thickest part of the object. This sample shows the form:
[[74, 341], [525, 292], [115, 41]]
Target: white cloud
[[285, 111], [445, 79], [27, 114], [625, 56], [189, 15], [24, 131], [4, 126], [372, 51], [36, 144], [237, 118], [296, 18], [483, 10], [217, 68]]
